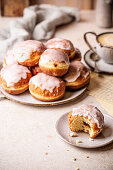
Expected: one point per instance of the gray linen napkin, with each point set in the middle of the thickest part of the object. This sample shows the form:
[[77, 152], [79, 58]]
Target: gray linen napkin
[[38, 22]]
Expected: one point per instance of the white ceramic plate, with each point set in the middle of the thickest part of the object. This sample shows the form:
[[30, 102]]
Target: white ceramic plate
[[102, 66], [26, 98], [104, 138]]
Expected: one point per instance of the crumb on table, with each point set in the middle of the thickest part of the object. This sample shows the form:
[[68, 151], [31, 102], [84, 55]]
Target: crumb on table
[[91, 139], [78, 141], [74, 159], [87, 156], [73, 134]]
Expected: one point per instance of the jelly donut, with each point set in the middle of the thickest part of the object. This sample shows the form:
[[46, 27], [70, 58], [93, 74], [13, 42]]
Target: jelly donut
[[86, 118], [36, 70], [14, 78], [46, 88], [54, 62], [63, 44], [27, 53], [9, 58], [77, 76]]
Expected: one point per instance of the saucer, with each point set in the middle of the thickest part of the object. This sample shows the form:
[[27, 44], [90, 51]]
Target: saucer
[[104, 138], [102, 66]]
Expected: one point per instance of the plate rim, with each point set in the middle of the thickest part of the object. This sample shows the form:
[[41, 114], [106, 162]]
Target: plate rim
[[80, 146], [101, 71], [46, 104]]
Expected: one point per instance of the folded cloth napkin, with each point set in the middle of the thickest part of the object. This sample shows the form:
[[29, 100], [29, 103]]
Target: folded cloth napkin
[[38, 22]]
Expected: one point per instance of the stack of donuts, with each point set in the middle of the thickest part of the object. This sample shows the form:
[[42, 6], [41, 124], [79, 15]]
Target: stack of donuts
[[47, 70]]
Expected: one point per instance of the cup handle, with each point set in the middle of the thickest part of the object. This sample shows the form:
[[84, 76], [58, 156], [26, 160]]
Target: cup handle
[[87, 42]]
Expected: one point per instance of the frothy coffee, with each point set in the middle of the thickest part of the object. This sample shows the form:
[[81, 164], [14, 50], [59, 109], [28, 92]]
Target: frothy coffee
[[106, 39]]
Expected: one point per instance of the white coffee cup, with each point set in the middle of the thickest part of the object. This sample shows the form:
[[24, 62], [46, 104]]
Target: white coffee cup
[[104, 45]]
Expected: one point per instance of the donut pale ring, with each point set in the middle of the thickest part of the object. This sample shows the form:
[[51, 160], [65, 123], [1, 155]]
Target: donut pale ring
[[86, 118], [9, 58], [78, 76], [46, 88], [14, 78], [54, 62], [36, 70], [27, 53], [63, 44]]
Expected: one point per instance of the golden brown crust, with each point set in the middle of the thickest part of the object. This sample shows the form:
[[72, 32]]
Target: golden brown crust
[[46, 95], [33, 61], [73, 55], [79, 83], [95, 129], [4, 63], [57, 62], [16, 91], [97, 132], [58, 72], [76, 58], [17, 88], [76, 55], [47, 99], [66, 51]]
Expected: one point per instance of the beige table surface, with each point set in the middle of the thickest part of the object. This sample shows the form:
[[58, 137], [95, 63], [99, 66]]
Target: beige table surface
[[27, 132]]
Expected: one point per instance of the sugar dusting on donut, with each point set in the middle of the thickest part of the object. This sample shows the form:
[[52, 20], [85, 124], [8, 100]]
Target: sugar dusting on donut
[[76, 69], [14, 73], [60, 43], [90, 112], [9, 58], [23, 50], [45, 82], [54, 55]]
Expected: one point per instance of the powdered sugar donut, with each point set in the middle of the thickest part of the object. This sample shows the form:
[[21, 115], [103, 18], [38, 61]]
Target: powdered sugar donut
[[86, 118], [54, 62], [63, 44], [28, 52], [46, 88], [14, 78], [77, 76]]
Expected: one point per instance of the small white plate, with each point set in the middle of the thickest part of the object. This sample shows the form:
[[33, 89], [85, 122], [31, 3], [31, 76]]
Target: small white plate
[[26, 98], [104, 138], [102, 66]]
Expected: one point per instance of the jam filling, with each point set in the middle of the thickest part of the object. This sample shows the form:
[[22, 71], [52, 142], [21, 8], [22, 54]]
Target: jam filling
[[86, 124]]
